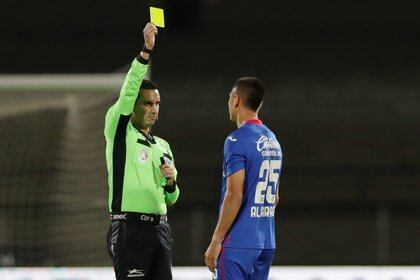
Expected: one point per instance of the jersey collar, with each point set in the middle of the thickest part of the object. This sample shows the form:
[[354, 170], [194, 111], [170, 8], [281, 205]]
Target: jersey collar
[[254, 121], [148, 137]]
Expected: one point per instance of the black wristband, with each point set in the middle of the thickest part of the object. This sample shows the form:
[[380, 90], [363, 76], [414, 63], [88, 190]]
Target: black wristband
[[170, 189], [142, 60], [146, 50]]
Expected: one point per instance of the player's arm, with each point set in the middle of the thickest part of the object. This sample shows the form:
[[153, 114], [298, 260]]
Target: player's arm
[[130, 89], [230, 208], [277, 192]]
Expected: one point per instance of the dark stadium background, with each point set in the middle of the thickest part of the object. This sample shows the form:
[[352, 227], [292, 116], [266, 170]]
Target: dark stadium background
[[343, 97]]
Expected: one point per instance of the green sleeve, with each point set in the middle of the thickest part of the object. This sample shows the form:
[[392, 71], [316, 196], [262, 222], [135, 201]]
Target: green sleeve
[[171, 198], [127, 97]]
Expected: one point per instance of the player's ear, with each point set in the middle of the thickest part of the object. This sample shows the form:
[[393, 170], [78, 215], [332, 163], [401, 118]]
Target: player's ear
[[236, 101]]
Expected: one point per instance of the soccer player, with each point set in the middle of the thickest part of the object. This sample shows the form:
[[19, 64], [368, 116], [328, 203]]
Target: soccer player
[[243, 243], [141, 177]]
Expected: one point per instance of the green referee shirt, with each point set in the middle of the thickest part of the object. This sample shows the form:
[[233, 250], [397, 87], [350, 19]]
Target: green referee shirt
[[133, 162]]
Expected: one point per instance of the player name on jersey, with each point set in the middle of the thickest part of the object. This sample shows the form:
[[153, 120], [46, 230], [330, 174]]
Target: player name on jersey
[[262, 211]]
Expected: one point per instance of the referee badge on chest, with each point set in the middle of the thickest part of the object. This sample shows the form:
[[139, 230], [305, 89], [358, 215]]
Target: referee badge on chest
[[143, 156]]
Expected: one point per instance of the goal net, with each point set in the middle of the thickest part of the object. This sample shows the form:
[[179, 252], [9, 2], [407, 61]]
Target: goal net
[[53, 188]]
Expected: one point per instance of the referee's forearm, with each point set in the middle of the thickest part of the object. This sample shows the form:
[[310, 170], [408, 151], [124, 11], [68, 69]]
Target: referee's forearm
[[230, 208], [131, 86]]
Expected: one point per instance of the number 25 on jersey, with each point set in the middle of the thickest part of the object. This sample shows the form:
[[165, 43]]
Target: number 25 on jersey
[[266, 189]]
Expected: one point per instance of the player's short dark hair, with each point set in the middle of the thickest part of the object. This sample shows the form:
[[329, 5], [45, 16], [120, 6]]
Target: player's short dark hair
[[251, 90]]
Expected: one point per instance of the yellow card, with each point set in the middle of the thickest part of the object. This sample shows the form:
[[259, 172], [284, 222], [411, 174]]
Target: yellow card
[[157, 16]]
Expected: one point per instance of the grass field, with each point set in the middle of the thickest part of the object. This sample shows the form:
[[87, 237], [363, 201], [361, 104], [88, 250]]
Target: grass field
[[201, 273]]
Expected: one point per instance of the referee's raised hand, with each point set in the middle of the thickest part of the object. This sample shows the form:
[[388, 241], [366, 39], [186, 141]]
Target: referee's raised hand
[[149, 32]]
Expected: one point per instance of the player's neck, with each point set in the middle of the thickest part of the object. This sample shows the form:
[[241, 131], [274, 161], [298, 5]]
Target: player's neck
[[244, 117]]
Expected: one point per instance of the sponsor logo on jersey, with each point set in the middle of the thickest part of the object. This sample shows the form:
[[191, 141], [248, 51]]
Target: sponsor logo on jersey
[[143, 156], [232, 139], [268, 146], [119, 216], [146, 218], [136, 273]]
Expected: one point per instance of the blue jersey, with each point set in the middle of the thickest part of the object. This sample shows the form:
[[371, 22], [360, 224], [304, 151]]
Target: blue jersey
[[253, 147]]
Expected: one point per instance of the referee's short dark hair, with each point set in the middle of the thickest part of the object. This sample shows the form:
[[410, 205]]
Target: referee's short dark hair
[[251, 90], [147, 84]]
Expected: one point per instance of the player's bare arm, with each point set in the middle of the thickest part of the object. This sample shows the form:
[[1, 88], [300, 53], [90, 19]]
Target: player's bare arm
[[230, 208]]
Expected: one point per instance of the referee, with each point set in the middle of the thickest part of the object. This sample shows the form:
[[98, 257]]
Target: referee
[[141, 177]]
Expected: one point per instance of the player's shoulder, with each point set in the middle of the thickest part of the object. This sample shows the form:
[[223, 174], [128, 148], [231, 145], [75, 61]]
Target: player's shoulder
[[233, 137], [268, 131], [232, 142], [238, 136], [239, 140]]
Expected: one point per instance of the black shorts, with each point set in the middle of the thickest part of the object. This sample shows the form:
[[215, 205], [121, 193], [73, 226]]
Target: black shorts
[[140, 250]]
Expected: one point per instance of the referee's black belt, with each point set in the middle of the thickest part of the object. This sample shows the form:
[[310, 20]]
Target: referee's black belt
[[154, 219]]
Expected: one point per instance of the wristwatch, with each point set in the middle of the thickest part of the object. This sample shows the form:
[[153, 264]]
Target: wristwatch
[[146, 50]]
